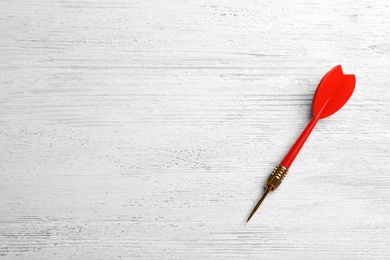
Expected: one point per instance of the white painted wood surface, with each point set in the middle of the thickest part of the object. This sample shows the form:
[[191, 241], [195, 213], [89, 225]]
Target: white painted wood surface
[[146, 129]]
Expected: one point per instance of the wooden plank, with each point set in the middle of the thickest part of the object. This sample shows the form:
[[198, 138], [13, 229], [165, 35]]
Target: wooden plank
[[145, 130]]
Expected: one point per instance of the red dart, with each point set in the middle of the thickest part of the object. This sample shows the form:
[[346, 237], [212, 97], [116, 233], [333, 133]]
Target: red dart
[[332, 93]]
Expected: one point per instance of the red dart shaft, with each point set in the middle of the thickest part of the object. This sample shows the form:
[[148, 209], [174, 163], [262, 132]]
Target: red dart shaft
[[290, 156], [281, 170]]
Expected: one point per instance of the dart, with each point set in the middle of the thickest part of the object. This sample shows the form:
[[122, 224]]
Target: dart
[[332, 93]]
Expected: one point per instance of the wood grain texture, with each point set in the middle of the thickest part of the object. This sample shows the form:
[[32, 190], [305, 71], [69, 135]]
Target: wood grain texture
[[146, 129]]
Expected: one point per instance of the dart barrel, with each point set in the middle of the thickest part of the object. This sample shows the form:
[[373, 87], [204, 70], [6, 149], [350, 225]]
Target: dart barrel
[[276, 177]]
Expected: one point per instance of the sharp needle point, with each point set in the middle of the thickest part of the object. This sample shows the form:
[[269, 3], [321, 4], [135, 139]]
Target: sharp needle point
[[258, 204]]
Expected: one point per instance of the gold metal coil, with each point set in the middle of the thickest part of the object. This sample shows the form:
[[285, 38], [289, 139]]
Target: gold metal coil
[[276, 177]]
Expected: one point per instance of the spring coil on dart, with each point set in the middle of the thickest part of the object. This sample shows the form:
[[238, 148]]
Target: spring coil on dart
[[276, 177]]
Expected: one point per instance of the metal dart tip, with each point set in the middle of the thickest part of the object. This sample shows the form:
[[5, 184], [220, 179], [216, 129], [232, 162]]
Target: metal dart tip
[[258, 204]]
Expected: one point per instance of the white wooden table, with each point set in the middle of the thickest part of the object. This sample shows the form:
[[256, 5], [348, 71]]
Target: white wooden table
[[146, 130]]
